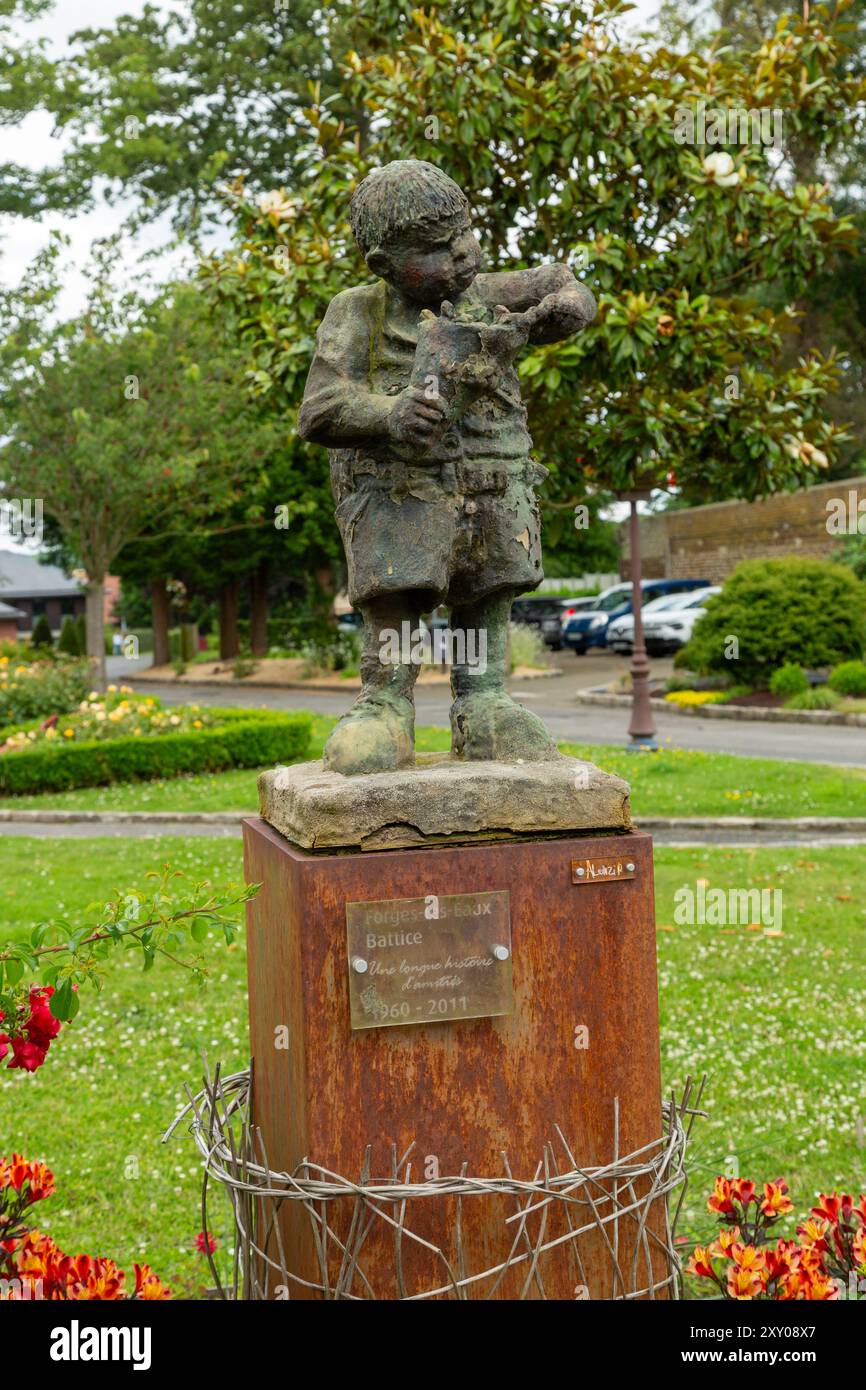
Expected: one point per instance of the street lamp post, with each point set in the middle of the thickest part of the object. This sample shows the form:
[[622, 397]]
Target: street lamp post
[[642, 729]]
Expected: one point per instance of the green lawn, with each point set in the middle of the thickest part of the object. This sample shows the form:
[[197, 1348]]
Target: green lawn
[[672, 782], [779, 1023]]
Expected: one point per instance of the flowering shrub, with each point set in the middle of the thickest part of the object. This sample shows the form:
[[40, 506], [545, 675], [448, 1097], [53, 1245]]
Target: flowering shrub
[[168, 922], [696, 697], [745, 1264], [32, 1266], [33, 1026], [38, 688], [102, 743], [111, 716]]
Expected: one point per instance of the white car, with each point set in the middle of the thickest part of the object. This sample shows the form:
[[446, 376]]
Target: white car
[[668, 631], [620, 633]]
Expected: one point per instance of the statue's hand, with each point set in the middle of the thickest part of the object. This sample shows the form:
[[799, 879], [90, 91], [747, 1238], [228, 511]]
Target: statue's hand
[[560, 314], [415, 417]]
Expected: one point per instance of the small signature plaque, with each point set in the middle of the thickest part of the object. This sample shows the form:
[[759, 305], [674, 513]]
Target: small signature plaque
[[602, 870], [429, 960]]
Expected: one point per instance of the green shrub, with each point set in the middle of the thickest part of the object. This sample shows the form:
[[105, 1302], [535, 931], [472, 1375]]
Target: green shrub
[[778, 609], [819, 697], [850, 679], [790, 679], [68, 641], [41, 634], [526, 647], [81, 626], [243, 738]]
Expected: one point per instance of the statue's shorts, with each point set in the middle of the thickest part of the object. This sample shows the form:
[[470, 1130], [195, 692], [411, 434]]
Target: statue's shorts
[[454, 533]]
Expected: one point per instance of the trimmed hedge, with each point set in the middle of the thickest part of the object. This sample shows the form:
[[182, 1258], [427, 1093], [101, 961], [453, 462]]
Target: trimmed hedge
[[243, 738]]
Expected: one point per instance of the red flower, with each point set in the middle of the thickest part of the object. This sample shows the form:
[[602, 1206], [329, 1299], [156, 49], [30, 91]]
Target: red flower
[[204, 1241]]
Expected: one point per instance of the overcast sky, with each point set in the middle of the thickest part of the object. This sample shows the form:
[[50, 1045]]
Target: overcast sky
[[32, 144]]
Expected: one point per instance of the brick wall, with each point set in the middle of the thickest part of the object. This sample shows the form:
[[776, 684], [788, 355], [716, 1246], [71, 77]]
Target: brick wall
[[708, 542]]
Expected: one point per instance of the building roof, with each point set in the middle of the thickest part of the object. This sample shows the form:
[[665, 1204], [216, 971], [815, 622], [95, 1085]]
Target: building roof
[[6, 611], [23, 576]]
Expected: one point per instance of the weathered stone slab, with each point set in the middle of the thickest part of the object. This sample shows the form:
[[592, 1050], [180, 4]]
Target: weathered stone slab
[[440, 799]]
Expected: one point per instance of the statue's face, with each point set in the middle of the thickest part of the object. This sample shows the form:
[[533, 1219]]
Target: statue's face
[[441, 266]]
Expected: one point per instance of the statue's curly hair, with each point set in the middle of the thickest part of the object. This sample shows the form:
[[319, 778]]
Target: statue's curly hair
[[407, 195]]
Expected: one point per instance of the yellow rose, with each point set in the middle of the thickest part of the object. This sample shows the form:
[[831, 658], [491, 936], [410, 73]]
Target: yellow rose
[[69, 733]]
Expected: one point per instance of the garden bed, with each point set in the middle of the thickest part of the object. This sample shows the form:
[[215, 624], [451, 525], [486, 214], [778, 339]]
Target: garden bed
[[34, 761]]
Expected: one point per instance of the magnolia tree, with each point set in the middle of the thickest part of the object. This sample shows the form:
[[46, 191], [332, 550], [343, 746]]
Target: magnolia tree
[[576, 144]]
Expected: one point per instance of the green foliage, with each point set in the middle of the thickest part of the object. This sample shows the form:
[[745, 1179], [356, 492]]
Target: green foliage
[[242, 738], [777, 610], [854, 555], [790, 679], [68, 641], [41, 634], [563, 135], [173, 920], [849, 679], [42, 688], [819, 697], [526, 647]]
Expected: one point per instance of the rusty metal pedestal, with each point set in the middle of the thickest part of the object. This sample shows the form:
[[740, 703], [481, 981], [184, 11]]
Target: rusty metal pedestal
[[580, 1044]]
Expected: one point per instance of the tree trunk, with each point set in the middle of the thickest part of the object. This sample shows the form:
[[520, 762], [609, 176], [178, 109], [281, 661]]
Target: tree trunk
[[94, 621], [259, 610], [160, 607], [229, 641]]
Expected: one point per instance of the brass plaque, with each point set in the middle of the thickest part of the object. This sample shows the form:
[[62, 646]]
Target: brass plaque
[[602, 870], [429, 960]]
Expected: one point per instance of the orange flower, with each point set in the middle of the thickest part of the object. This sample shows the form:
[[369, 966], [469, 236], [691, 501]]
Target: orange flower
[[147, 1285], [743, 1283], [785, 1259], [720, 1198], [743, 1191], [749, 1257], [724, 1241], [701, 1263], [776, 1201], [831, 1207], [860, 1247], [17, 1172], [104, 1282], [813, 1230]]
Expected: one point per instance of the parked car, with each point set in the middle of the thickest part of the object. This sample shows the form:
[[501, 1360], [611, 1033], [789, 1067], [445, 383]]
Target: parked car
[[551, 628], [620, 631], [533, 610], [350, 622], [669, 630], [589, 628]]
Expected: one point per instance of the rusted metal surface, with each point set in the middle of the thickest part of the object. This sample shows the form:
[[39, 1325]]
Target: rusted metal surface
[[584, 1028]]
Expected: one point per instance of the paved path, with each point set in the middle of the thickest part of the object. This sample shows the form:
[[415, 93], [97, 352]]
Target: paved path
[[226, 824], [554, 701]]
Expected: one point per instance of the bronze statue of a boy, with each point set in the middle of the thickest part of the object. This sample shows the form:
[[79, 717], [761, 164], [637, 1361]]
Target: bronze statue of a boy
[[413, 390]]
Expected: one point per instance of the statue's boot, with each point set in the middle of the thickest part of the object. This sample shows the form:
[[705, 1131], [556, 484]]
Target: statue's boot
[[378, 733], [485, 722]]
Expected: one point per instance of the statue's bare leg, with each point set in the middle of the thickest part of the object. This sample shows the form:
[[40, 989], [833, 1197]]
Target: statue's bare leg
[[485, 722], [378, 733]]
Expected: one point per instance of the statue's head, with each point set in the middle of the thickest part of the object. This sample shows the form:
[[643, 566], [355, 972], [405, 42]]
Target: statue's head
[[412, 224]]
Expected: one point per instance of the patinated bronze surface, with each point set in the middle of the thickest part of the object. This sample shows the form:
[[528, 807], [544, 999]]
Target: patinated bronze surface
[[414, 391]]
